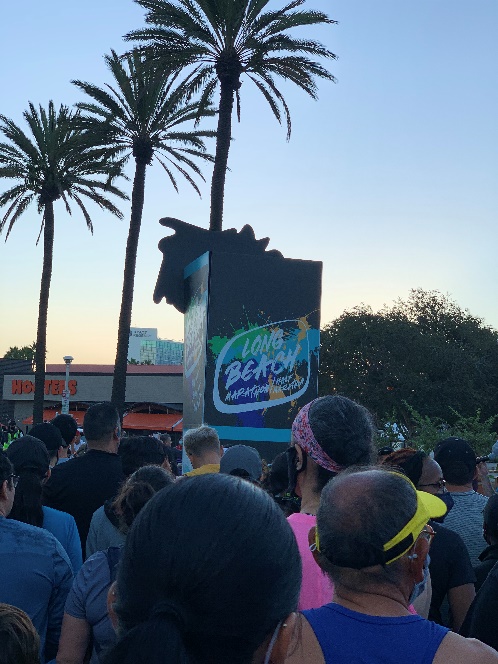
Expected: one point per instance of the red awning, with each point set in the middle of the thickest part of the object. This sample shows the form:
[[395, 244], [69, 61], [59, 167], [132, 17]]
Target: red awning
[[50, 413], [153, 421], [136, 421]]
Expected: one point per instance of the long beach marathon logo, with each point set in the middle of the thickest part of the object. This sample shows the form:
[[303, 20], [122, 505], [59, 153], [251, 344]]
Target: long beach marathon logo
[[264, 366]]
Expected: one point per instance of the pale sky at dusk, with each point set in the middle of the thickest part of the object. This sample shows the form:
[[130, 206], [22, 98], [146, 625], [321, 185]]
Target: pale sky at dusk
[[390, 179]]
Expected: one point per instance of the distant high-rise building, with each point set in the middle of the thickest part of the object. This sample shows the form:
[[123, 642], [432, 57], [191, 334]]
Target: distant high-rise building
[[137, 335], [161, 351]]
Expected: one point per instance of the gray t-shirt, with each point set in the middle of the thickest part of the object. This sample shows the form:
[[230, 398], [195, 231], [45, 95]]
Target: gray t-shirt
[[87, 600], [466, 519]]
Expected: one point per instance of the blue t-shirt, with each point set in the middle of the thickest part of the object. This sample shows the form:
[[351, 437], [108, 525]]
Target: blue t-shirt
[[63, 527], [35, 576], [348, 637]]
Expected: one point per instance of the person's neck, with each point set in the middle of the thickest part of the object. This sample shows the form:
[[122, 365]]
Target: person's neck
[[459, 488], [209, 459], [109, 449], [3, 511], [310, 501], [385, 602]]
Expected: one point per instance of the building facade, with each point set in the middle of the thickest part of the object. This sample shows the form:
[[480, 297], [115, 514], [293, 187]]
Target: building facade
[[161, 351], [152, 391]]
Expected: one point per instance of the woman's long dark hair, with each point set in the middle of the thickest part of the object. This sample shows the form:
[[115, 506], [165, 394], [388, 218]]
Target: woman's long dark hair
[[31, 460], [210, 567]]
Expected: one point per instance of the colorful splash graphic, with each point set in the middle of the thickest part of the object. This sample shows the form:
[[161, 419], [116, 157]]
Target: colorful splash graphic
[[263, 366]]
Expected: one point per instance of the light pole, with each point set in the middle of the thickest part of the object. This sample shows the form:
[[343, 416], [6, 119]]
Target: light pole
[[65, 395]]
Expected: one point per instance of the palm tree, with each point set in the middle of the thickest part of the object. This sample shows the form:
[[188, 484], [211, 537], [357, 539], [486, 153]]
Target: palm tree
[[218, 41], [56, 162], [143, 116]]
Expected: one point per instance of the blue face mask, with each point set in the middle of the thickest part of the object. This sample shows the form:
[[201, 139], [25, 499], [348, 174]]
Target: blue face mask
[[448, 501], [419, 587]]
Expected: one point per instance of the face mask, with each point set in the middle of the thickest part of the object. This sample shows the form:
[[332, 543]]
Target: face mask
[[419, 587], [448, 501]]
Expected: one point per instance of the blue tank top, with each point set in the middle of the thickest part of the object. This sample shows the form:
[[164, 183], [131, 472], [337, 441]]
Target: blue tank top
[[348, 637]]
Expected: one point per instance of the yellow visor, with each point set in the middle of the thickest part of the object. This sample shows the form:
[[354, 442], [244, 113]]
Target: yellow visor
[[428, 507]]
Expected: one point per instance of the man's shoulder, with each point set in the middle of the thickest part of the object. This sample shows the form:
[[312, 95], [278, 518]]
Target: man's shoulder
[[26, 535], [455, 648]]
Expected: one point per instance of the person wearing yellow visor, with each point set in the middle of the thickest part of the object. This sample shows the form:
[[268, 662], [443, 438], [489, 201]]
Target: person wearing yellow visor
[[372, 538]]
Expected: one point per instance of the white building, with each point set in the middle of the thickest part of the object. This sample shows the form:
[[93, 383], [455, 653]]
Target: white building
[[137, 335]]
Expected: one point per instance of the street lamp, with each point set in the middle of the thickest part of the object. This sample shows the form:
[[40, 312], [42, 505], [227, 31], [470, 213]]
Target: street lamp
[[65, 395]]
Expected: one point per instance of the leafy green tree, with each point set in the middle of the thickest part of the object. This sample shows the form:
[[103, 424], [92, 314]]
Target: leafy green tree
[[23, 353], [142, 116], [427, 432], [218, 41], [425, 355], [55, 162]]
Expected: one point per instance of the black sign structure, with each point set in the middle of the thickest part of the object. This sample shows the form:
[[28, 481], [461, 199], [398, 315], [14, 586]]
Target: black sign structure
[[252, 321]]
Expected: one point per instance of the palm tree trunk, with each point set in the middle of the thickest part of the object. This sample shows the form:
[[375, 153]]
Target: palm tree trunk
[[41, 334], [223, 137], [121, 363]]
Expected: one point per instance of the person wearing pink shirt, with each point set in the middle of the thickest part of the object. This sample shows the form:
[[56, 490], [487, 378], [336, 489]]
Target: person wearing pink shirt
[[329, 434]]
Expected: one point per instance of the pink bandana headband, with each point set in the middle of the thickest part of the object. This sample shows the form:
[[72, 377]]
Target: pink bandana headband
[[303, 436]]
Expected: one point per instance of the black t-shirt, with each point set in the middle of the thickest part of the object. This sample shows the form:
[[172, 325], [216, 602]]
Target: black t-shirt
[[481, 620], [450, 567], [82, 485]]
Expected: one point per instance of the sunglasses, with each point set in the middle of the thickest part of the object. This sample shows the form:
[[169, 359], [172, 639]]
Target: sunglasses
[[440, 484]]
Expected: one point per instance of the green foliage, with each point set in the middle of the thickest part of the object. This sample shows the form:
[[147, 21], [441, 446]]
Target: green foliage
[[216, 42], [57, 162], [481, 434], [143, 113], [222, 40], [426, 352], [23, 353]]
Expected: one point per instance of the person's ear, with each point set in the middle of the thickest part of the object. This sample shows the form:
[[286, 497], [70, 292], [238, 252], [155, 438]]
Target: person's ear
[[166, 465], [112, 596], [313, 548], [299, 457], [222, 451], [417, 558]]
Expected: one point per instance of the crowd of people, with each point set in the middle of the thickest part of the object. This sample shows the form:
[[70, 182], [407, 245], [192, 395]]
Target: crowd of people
[[332, 554]]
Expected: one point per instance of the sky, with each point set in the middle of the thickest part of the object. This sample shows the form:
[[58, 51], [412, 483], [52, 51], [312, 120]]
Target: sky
[[390, 179]]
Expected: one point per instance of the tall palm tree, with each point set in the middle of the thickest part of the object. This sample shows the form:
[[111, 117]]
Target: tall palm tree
[[55, 162], [142, 116], [218, 41]]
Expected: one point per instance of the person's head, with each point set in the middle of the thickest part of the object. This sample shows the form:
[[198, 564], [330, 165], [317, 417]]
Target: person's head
[[242, 461], [458, 461], [210, 569], [373, 532], [330, 434], [8, 483], [202, 446], [138, 451], [166, 439], [31, 462], [68, 427], [19, 640], [137, 491], [425, 473], [276, 484], [490, 526], [101, 427], [52, 438]]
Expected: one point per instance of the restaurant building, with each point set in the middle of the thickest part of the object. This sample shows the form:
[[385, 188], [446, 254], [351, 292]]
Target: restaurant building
[[154, 395]]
